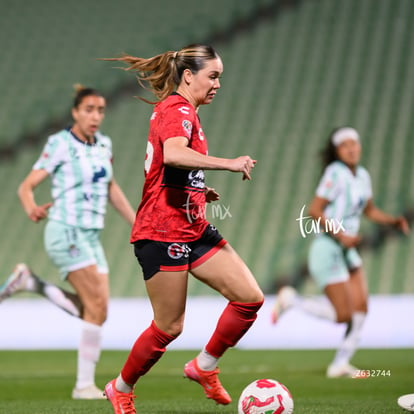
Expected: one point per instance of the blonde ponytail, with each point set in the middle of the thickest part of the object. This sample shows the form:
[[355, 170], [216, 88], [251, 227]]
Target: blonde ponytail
[[163, 72]]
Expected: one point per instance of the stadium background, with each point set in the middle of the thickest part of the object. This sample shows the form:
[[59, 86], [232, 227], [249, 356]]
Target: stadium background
[[294, 69]]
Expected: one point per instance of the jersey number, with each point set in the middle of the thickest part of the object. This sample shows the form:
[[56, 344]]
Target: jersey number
[[149, 157]]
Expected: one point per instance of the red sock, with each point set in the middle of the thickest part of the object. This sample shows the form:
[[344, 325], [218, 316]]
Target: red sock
[[234, 322], [147, 350]]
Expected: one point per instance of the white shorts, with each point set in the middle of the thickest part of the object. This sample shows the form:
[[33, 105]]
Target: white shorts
[[329, 262], [73, 248]]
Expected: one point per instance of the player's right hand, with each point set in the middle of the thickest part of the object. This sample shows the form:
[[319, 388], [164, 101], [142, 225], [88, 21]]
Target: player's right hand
[[348, 241], [39, 212], [243, 164]]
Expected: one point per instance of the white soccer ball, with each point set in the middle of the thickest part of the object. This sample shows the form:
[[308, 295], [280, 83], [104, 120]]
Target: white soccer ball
[[265, 396], [406, 402]]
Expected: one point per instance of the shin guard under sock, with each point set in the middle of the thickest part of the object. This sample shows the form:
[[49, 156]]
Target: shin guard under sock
[[88, 354], [234, 322], [147, 350], [350, 343]]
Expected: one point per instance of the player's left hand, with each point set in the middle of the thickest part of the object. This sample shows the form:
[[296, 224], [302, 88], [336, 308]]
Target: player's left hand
[[211, 194]]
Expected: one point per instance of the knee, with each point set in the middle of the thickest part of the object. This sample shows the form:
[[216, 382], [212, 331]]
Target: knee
[[96, 311], [256, 296], [253, 296], [171, 328], [362, 306], [343, 315], [259, 297], [247, 309]]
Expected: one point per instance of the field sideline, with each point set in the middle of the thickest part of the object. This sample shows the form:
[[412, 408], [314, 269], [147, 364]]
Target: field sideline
[[40, 382]]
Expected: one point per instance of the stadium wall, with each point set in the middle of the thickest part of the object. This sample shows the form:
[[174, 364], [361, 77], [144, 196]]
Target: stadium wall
[[36, 324]]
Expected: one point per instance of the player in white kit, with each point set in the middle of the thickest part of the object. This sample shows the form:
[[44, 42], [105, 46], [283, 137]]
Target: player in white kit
[[79, 161], [343, 195]]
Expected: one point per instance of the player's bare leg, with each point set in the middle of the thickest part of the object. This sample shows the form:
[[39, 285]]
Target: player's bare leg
[[167, 292], [93, 290], [225, 272], [350, 302]]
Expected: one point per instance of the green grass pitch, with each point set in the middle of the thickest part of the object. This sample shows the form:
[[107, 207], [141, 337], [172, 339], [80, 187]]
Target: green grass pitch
[[40, 382]]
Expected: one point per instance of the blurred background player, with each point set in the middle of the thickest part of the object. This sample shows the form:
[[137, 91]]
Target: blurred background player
[[171, 235], [79, 161], [343, 195]]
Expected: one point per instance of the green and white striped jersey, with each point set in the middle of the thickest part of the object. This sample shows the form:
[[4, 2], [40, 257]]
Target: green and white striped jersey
[[80, 174], [347, 194]]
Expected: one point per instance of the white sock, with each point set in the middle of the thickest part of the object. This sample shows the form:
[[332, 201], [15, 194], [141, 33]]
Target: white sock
[[319, 307], [31, 285], [68, 301], [349, 344], [55, 295], [205, 361], [122, 386], [88, 354]]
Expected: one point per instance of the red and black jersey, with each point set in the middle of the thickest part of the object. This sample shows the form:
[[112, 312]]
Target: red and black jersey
[[173, 199]]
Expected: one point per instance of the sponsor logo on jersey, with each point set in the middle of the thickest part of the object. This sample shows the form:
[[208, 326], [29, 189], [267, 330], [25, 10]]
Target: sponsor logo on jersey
[[196, 178], [184, 110]]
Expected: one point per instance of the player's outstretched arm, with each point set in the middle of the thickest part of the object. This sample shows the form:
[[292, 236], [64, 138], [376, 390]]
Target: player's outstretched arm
[[178, 154], [376, 215]]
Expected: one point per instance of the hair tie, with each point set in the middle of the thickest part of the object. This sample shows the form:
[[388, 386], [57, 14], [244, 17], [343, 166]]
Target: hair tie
[[175, 55]]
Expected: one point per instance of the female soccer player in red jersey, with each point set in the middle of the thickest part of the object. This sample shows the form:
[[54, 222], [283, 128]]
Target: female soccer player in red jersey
[[171, 236]]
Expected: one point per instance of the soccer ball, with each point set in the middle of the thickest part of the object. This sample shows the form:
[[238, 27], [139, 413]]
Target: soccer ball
[[406, 402], [265, 396]]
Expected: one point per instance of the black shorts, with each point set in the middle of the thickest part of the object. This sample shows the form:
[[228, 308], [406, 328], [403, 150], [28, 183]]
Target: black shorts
[[155, 256]]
